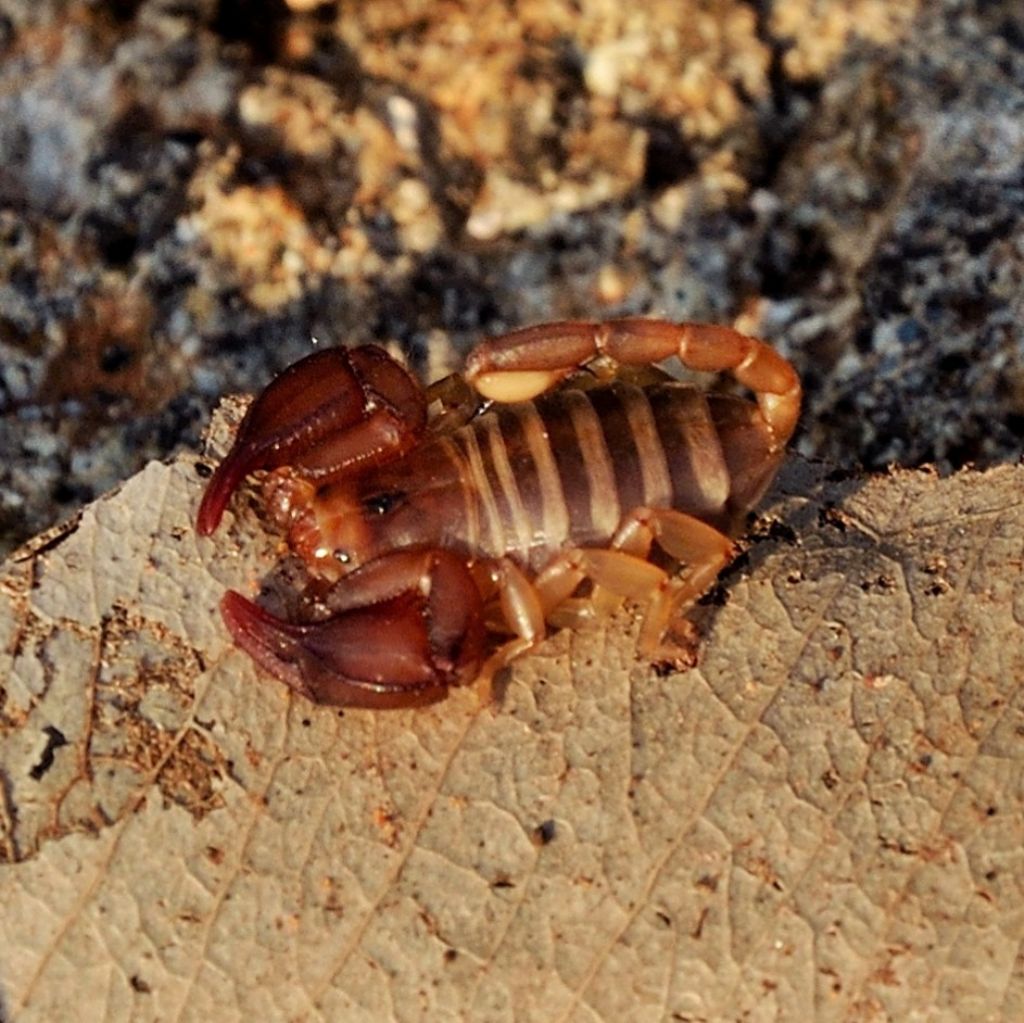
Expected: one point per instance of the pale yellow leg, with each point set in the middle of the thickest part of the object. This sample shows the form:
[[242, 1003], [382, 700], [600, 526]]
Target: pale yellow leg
[[555, 585], [523, 614], [704, 550], [634, 536], [624, 572], [619, 573]]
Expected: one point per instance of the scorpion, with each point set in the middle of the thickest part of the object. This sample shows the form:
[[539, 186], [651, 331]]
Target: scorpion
[[558, 477]]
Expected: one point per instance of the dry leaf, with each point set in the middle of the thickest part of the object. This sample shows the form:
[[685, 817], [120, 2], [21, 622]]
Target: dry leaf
[[823, 820]]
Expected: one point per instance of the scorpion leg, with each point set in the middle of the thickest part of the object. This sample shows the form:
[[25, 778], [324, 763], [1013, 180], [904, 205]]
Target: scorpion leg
[[624, 573], [524, 363], [701, 548], [399, 632], [521, 611], [327, 414]]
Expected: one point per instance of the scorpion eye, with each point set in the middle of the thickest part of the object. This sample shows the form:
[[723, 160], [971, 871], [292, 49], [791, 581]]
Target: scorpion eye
[[381, 504]]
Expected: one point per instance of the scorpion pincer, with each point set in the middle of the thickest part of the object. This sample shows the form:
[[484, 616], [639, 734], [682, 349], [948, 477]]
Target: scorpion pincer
[[540, 494]]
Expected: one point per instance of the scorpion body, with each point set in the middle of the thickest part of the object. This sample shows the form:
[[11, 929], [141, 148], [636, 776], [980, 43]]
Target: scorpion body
[[523, 504], [531, 479]]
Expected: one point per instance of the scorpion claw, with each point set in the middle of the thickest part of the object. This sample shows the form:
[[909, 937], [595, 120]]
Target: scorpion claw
[[425, 648], [331, 412], [238, 464], [274, 644]]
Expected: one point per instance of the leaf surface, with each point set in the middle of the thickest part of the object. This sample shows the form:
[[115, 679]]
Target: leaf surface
[[823, 819]]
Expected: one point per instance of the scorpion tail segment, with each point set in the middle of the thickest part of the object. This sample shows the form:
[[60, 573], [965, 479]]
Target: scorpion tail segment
[[711, 348], [337, 662], [329, 412], [524, 363]]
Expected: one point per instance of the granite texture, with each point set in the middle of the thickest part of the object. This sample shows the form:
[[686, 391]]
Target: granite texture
[[190, 191]]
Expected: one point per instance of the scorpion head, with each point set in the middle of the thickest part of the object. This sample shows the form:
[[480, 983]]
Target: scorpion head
[[327, 529], [342, 527]]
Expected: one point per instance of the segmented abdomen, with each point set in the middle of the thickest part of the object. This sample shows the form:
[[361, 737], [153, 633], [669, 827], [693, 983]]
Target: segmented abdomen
[[564, 470]]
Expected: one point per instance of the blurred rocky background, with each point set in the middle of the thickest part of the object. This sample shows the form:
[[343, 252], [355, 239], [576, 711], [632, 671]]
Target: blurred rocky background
[[191, 190]]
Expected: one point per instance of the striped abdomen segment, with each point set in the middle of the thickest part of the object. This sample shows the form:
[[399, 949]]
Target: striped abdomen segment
[[564, 470]]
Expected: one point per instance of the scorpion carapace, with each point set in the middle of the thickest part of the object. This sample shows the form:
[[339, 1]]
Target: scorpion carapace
[[533, 498]]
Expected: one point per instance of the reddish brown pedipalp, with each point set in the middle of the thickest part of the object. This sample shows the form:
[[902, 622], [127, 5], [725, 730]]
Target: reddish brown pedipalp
[[425, 602], [324, 415]]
